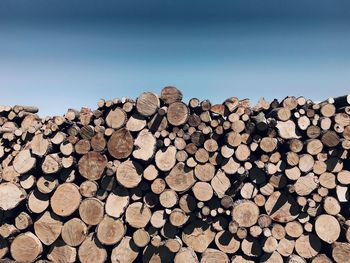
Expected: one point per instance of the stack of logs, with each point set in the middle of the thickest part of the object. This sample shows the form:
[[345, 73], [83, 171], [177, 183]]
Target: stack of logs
[[158, 180]]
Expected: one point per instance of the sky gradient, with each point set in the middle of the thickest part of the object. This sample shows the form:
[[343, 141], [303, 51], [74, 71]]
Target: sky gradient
[[67, 54]]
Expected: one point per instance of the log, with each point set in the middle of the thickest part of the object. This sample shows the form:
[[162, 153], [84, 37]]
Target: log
[[121, 144], [137, 215], [242, 152], [177, 113], [165, 160], [92, 165], [126, 251], [180, 178], [74, 232], [268, 144], [202, 191], [168, 198], [145, 146], [48, 228], [46, 184], [98, 142], [245, 213], [294, 229], [129, 174], [286, 247], [52, 164], [141, 238], [11, 196], [23, 162], [110, 231], [341, 252], [158, 219], [214, 255], [91, 211], [82, 146], [170, 95], [40, 145], [116, 118], [23, 221], [198, 236], [88, 188], [308, 246], [178, 217], [117, 202], [331, 205], [327, 228], [61, 252], [91, 250], [227, 242], [26, 247], [147, 104], [66, 199], [204, 172]]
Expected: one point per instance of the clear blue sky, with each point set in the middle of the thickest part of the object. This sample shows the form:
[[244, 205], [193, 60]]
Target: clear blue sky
[[63, 54]]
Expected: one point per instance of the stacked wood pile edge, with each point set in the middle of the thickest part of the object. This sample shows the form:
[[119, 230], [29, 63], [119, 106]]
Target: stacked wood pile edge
[[159, 180]]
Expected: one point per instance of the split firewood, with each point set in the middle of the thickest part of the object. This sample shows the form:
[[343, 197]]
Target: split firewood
[[287, 129], [282, 208], [214, 255]]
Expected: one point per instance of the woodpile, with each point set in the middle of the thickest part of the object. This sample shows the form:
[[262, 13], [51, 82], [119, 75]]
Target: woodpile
[[158, 180]]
